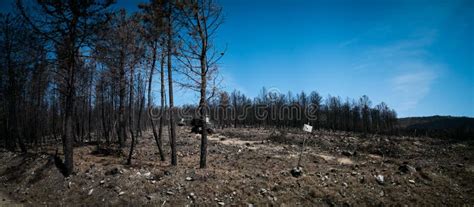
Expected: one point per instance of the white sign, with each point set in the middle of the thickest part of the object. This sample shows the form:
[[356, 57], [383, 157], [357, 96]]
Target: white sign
[[307, 128], [207, 119]]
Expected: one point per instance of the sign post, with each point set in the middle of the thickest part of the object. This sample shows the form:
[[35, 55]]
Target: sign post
[[298, 170], [307, 128]]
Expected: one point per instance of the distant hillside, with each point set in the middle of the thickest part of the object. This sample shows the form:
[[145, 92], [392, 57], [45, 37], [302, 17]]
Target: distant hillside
[[439, 126]]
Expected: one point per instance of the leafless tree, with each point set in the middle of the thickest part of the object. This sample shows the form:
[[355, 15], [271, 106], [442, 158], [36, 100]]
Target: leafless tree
[[120, 50], [200, 20], [153, 17], [170, 15]]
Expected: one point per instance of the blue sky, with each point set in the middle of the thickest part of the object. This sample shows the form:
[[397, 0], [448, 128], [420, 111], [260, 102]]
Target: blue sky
[[417, 56]]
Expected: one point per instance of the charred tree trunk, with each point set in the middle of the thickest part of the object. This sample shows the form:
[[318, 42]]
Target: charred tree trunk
[[121, 129], [174, 160], [162, 93], [203, 100], [203, 104], [130, 118], [68, 132], [141, 103], [149, 106], [102, 113], [89, 125]]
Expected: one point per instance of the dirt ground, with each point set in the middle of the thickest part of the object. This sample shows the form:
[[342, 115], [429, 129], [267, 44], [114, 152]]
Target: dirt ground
[[251, 166]]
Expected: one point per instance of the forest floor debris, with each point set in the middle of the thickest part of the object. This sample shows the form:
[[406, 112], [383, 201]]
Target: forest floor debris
[[251, 166]]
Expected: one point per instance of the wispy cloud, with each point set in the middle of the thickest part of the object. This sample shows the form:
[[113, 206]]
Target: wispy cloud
[[410, 88], [383, 29], [403, 63], [388, 55], [349, 42], [414, 47], [230, 83], [414, 74]]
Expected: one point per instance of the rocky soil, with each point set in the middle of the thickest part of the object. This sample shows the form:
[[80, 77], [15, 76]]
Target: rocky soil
[[248, 166]]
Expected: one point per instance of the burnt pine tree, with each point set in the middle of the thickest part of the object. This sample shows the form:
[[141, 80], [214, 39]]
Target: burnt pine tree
[[13, 59], [70, 26], [120, 50], [134, 44], [200, 20], [154, 33], [170, 13]]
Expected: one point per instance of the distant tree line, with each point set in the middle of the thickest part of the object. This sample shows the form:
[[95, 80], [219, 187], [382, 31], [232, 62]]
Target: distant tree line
[[453, 128], [274, 109]]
